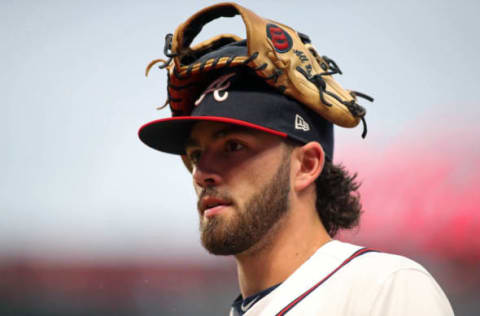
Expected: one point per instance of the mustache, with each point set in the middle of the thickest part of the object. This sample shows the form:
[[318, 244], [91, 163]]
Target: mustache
[[213, 192]]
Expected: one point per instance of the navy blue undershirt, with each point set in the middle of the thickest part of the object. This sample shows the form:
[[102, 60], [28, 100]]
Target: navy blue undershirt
[[241, 306]]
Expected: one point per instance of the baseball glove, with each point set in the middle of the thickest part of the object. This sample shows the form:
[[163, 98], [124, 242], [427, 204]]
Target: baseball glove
[[283, 57]]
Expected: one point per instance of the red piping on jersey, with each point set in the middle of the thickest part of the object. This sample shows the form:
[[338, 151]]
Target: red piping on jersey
[[357, 253]]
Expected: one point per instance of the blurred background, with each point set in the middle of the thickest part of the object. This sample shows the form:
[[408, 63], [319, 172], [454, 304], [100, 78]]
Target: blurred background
[[92, 222]]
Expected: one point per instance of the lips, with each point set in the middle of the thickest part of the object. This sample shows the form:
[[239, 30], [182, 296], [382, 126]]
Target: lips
[[210, 205]]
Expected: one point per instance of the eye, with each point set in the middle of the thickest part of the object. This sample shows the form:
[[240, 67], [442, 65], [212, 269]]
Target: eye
[[232, 146], [194, 156]]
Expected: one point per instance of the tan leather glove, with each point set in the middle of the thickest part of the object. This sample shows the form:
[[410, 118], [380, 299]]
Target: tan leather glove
[[283, 57]]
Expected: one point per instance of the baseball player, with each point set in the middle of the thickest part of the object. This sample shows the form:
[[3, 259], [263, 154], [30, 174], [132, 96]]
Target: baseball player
[[253, 122]]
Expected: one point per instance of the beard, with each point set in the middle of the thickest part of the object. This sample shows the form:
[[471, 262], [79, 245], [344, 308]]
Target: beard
[[247, 227]]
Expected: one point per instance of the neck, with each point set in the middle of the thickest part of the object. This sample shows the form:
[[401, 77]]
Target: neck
[[290, 243]]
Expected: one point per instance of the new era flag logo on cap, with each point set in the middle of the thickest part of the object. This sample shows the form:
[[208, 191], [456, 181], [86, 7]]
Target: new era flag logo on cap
[[301, 124]]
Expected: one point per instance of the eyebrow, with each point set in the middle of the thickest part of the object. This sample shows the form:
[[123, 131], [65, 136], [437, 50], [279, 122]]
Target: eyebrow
[[233, 129]]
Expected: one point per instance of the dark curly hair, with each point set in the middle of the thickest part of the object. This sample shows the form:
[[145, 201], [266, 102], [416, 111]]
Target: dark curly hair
[[338, 202]]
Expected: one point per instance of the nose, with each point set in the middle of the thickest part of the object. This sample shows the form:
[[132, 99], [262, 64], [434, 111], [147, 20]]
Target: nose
[[205, 173]]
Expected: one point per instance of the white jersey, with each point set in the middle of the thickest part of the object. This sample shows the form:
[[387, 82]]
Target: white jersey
[[342, 279]]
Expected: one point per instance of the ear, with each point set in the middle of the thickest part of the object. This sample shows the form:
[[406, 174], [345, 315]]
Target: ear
[[309, 160]]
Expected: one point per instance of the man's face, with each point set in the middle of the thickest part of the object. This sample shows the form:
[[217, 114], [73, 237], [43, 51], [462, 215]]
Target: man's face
[[242, 179]]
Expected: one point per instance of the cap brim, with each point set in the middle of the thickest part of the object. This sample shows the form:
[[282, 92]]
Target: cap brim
[[170, 134]]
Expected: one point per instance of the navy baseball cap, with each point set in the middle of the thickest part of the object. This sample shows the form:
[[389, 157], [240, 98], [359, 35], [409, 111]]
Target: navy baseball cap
[[241, 98]]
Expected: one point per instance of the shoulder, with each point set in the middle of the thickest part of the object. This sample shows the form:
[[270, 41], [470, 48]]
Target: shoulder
[[333, 282], [392, 285], [370, 262], [381, 264]]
